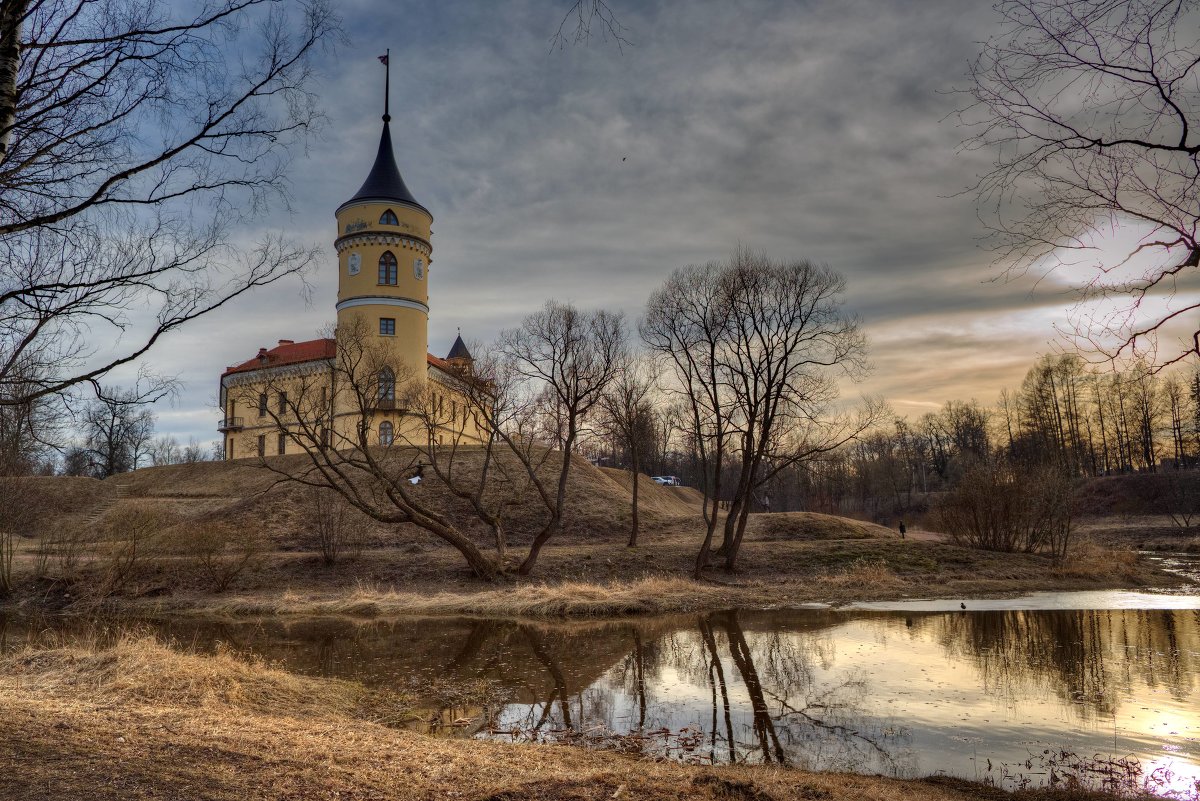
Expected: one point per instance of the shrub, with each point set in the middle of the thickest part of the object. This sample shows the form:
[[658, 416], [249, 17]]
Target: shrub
[[132, 532], [67, 548], [16, 519], [333, 530], [1001, 506], [1176, 493], [222, 553]]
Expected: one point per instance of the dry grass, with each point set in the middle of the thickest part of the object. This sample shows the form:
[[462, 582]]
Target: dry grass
[[57, 502], [654, 498], [1087, 559], [138, 721], [1142, 533], [814, 526], [142, 670], [566, 599], [866, 573]]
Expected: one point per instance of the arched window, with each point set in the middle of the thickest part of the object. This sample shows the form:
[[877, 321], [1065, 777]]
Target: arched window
[[387, 384], [387, 268], [385, 433], [388, 218]]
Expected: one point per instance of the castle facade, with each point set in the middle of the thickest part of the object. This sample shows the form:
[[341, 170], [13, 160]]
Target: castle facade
[[373, 382]]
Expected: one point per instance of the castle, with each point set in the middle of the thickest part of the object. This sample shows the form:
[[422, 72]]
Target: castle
[[363, 385]]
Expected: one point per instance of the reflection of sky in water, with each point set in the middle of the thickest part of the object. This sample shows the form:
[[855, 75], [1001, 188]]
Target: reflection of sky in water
[[947, 693]]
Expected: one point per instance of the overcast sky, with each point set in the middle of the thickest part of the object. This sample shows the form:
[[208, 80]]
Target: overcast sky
[[811, 130]]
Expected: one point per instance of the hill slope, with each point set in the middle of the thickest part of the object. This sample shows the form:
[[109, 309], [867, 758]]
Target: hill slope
[[246, 494]]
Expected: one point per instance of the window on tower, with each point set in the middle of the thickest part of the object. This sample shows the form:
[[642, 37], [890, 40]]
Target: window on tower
[[387, 384], [387, 326], [385, 433], [389, 218], [387, 268]]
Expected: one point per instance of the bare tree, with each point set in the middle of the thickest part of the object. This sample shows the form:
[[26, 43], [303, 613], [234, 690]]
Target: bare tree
[[117, 426], [686, 325], [30, 431], [586, 19], [757, 347], [130, 143], [348, 454], [487, 404], [1090, 111], [569, 357], [629, 417], [164, 450], [476, 431], [193, 452]]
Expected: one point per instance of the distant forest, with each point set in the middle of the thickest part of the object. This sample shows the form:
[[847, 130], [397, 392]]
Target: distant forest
[[1079, 419]]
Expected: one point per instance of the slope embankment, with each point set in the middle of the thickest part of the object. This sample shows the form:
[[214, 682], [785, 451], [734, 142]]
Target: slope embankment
[[143, 543]]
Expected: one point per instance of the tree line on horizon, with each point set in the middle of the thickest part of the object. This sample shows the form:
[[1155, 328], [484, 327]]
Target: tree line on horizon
[[1076, 419]]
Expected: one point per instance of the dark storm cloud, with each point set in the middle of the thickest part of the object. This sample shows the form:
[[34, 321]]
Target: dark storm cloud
[[807, 130]]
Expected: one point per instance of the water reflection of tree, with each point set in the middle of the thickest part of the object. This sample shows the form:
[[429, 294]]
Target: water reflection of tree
[[554, 668], [743, 659], [1083, 657], [768, 676], [796, 719]]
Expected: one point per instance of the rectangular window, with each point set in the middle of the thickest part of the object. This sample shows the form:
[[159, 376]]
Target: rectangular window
[[262, 445], [325, 437], [324, 398], [262, 404], [387, 326], [282, 443], [282, 402]]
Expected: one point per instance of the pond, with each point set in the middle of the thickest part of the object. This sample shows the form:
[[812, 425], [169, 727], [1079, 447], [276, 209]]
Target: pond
[[997, 694]]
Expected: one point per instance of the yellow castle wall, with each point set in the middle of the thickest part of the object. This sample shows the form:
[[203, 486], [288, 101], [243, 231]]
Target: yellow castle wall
[[310, 398], [363, 297]]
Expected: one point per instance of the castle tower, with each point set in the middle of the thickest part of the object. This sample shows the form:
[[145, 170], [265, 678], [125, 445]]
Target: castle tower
[[384, 252]]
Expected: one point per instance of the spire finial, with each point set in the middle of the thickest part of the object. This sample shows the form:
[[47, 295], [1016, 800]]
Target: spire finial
[[387, 83]]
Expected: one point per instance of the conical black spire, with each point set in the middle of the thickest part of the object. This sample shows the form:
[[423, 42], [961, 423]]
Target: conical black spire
[[384, 183], [459, 350]]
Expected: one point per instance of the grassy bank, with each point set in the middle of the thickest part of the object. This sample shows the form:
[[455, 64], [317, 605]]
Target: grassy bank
[[132, 549], [137, 721], [601, 580]]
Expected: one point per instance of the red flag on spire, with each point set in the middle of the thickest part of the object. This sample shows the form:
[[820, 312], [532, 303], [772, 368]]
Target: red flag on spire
[[383, 59]]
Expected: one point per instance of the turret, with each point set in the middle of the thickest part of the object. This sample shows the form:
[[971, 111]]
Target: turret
[[384, 252], [459, 358]]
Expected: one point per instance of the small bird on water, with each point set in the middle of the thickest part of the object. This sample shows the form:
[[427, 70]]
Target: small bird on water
[[962, 605]]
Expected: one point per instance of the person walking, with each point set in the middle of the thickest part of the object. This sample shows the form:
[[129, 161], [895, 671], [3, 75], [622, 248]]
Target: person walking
[[903, 530]]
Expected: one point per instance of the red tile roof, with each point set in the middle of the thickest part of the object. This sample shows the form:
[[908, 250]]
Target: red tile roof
[[288, 353], [298, 352]]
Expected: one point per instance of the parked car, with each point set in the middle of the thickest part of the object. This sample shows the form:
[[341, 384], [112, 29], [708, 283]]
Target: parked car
[[666, 481]]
